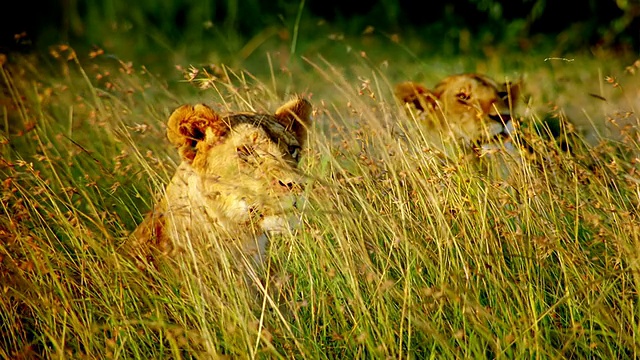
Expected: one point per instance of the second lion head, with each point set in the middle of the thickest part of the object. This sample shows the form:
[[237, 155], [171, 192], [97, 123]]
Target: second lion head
[[472, 108]]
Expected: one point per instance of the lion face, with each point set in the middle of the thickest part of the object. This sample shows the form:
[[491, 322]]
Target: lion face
[[238, 180], [469, 107]]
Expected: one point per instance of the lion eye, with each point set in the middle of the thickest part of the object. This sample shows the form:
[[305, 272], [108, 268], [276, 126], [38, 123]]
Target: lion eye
[[463, 96], [503, 95], [244, 152]]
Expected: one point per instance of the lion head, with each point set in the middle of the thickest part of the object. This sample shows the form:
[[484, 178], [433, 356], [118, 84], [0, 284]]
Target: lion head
[[470, 107], [237, 181]]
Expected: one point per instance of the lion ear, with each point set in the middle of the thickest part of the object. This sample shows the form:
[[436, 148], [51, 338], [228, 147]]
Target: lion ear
[[295, 116], [419, 96], [512, 92], [188, 125]]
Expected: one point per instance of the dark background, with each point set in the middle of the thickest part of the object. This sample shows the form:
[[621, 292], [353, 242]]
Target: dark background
[[569, 24]]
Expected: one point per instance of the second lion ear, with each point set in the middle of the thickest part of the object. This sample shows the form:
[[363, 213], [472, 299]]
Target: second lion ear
[[419, 96], [512, 92], [189, 125], [295, 115]]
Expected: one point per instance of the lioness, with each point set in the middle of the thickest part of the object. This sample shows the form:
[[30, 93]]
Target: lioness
[[470, 108], [237, 183]]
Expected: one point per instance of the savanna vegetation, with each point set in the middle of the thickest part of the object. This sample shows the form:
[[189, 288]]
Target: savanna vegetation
[[401, 252]]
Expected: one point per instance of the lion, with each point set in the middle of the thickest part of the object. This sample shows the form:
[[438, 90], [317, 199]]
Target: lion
[[472, 109], [236, 185]]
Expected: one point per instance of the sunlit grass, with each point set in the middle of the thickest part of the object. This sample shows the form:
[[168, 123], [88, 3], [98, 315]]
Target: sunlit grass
[[402, 252]]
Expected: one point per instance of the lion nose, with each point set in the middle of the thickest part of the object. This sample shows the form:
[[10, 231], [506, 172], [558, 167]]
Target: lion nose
[[506, 121], [288, 184], [501, 118], [506, 125]]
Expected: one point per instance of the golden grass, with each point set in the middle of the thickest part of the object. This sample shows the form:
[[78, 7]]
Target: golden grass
[[401, 253]]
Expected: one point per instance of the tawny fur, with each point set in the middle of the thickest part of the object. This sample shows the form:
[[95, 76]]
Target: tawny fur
[[237, 183]]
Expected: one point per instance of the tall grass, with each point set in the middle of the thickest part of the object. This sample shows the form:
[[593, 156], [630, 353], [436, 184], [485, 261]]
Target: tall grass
[[402, 252]]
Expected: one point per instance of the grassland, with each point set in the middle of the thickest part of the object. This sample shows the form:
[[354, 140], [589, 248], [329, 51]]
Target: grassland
[[401, 253]]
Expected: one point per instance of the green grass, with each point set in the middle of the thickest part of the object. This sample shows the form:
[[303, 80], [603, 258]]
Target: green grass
[[401, 252]]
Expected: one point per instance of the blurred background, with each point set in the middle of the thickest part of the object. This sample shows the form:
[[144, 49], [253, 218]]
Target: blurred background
[[153, 31]]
